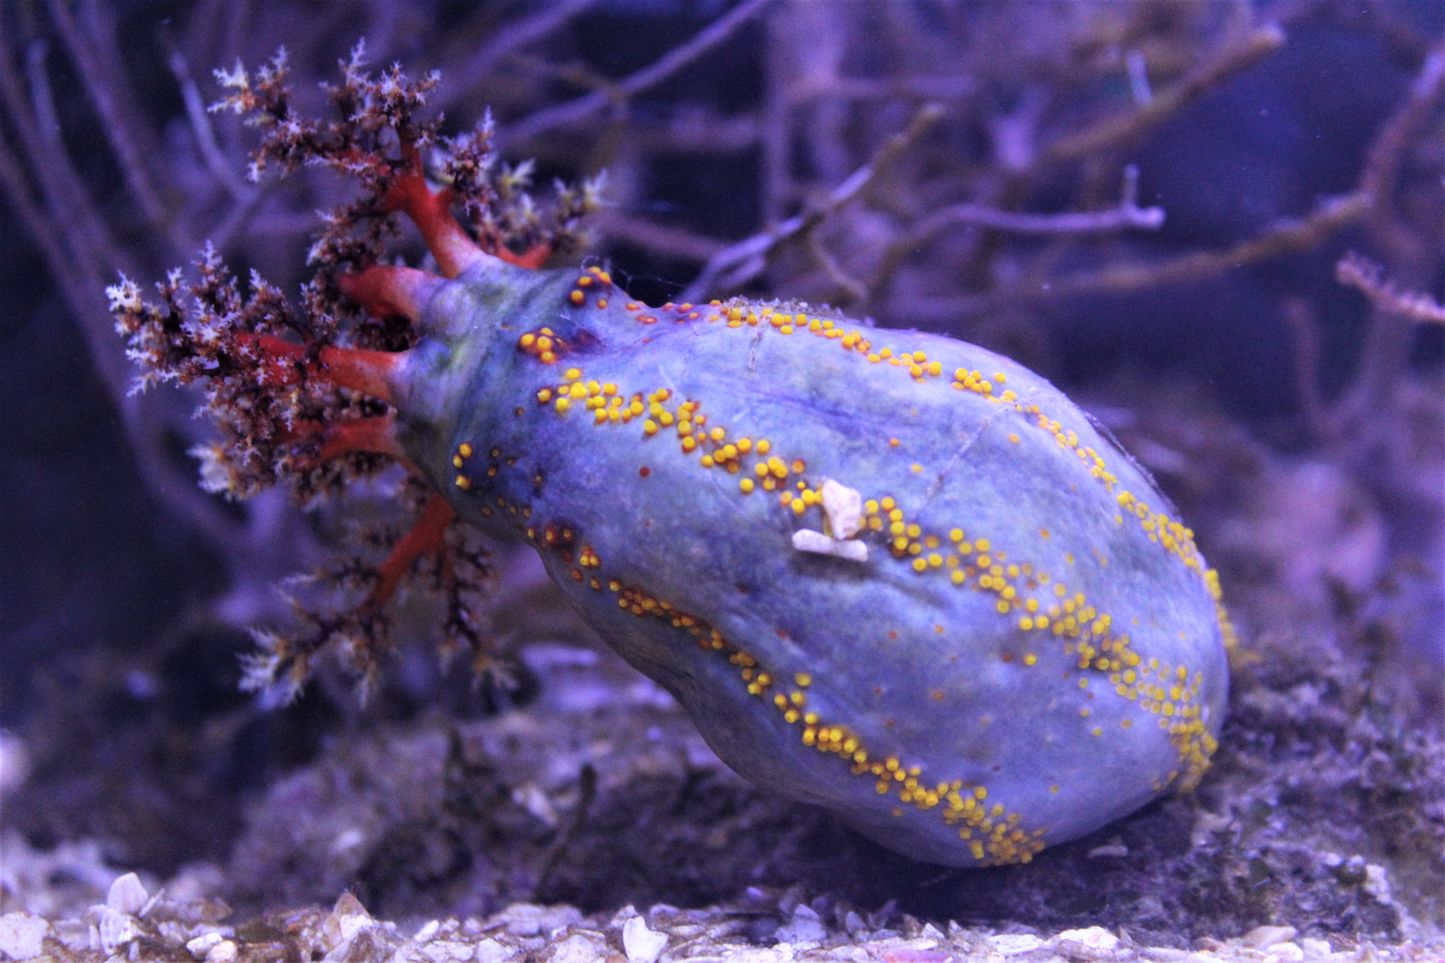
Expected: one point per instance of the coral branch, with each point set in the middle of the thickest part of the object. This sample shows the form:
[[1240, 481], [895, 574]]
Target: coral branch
[[1353, 422], [654, 73], [1300, 325], [1387, 151], [1118, 129], [1127, 215], [1366, 276], [118, 120], [677, 241], [1287, 236], [75, 240], [474, 67], [737, 264]]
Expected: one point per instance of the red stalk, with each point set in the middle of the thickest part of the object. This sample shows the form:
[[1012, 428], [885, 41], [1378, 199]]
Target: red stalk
[[431, 212], [385, 290], [425, 538], [369, 372], [374, 435]]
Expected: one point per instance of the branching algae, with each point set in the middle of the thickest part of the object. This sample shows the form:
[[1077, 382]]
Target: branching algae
[[886, 572]]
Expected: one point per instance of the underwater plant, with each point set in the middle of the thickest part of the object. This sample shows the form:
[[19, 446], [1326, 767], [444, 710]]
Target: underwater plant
[[886, 572]]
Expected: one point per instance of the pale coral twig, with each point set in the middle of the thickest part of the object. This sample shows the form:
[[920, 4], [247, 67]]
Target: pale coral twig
[[1126, 215], [1362, 274]]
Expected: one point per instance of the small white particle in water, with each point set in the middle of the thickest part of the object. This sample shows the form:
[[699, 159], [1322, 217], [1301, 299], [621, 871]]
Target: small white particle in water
[[347, 840]]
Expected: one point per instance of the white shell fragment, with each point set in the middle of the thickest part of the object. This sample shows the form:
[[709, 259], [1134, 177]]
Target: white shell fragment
[[223, 952], [807, 540], [201, 946], [843, 507], [1095, 939], [642, 945], [843, 510]]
